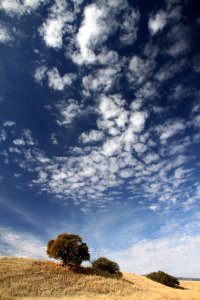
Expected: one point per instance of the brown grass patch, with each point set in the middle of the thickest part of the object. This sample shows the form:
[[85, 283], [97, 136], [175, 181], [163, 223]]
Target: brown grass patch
[[34, 279]]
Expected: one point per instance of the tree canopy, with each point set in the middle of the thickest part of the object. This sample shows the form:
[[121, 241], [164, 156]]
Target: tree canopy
[[69, 248], [164, 278], [106, 265]]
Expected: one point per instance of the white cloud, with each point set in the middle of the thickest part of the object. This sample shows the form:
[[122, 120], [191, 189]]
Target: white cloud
[[8, 123], [169, 70], [151, 157], [179, 47], [40, 73], [126, 173], [157, 22], [88, 172], [57, 82], [5, 35], [3, 135], [171, 254], [139, 148], [140, 69], [106, 57], [53, 139], [103, 79], [21, 244], [14, 7], [110, 107], [52, 32], [19, 142], [27, 136], [154, 207], [111, 147], [55, 26], [179, 39], [122, 119], [92, 31], [91, 136], [129, 27], [180, 173], [171, 128], [68, 112], [137, 121]]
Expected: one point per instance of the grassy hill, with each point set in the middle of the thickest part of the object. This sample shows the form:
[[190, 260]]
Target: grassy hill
[[34, 279]]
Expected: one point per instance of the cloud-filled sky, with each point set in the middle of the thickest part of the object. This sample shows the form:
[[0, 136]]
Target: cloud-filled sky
[[100, 129]]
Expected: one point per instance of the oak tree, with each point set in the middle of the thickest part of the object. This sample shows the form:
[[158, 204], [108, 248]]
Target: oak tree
[[68, 248]]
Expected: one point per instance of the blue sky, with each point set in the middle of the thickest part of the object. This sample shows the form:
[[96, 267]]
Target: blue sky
[[100, 130]]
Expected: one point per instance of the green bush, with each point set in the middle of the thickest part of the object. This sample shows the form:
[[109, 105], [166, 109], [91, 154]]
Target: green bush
[[106, 265], [164, 278]]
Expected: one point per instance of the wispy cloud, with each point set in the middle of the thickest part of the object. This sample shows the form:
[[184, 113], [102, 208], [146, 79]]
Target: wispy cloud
[[5, 35], [171, 254], [20, 244]]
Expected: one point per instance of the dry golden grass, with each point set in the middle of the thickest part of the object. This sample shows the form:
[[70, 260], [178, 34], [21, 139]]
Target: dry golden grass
[[34, 279]]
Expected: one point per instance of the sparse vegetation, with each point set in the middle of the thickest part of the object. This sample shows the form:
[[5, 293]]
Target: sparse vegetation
[[164, 278], [68, 248], [106, 265], [33, 278]]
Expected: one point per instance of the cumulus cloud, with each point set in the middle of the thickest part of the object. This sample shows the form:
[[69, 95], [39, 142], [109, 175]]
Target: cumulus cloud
[[110, 107], [57, 82], [53, 77], [98, 23], [137, 120], [111, 147], [52, 32], [157, 22], [92, 31], [55, 26]]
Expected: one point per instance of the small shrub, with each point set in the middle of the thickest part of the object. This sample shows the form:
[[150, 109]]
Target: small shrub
[[106, 265], [164, 278]]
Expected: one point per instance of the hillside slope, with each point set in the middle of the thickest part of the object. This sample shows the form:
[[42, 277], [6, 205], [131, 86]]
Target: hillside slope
[[21, 277]]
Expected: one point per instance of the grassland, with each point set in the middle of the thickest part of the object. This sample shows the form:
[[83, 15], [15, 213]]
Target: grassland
[[33, 279]]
